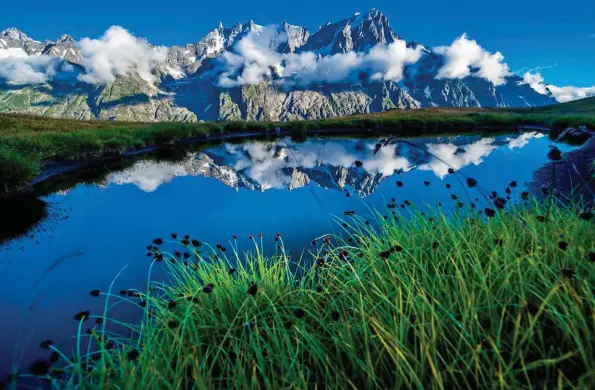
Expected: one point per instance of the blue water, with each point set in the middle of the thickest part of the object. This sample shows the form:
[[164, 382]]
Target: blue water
[[214, 194]]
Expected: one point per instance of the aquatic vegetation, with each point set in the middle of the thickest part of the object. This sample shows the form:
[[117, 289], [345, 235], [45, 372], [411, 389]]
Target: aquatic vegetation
[[461, 302]]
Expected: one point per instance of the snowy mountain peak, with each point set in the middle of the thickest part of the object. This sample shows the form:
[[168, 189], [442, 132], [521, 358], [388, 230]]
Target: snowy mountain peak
[[15, 33], [65, 38], [360, 32]]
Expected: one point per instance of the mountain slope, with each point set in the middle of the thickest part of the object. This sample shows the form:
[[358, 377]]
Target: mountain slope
[[189, 88]]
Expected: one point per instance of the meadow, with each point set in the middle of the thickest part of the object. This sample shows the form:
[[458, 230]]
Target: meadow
[[27, 143]]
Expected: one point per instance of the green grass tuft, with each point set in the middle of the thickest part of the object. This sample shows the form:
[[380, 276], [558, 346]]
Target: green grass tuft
[[451, 303]]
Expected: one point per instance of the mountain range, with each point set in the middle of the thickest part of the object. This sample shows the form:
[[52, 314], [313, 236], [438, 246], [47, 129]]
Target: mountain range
[[190, 82]]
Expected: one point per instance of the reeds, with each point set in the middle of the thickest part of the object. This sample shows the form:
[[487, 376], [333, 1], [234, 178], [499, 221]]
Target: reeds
[[455, 303]]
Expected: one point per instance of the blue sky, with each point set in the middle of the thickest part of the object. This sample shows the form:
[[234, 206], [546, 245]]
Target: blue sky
[[557, 36]]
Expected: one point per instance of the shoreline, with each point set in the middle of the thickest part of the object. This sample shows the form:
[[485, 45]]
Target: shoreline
[[56, 167]]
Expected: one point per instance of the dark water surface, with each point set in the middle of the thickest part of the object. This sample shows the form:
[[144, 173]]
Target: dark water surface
[[93, 231]]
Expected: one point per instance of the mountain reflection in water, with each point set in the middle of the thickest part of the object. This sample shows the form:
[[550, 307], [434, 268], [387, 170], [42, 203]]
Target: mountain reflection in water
[[329, 163]]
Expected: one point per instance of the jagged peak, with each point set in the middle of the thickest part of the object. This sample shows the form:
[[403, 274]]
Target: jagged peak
[[220, 26], [15, 33], [65, 38]]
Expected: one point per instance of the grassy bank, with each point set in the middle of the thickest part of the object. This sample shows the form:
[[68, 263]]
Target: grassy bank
[[26, 143], [441, 303]]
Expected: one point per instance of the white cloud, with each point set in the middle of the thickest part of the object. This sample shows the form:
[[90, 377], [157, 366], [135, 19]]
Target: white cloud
[[445, 156], [567, 94], [256, 60], [17, 67], [522, 140], [535, 80], [464, 57], [561, 94], [119, 53]]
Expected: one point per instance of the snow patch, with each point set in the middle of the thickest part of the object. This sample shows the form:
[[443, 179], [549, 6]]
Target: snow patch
[[428, 92]]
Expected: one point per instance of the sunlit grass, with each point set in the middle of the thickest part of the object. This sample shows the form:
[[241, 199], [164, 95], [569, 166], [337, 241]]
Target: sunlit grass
[[452, 302]]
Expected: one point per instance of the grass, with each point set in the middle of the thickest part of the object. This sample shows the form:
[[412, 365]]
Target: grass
[[457, 302], [27, 142]]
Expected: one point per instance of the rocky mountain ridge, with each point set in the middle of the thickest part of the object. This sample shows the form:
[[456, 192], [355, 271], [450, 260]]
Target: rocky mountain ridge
[[187, 87]]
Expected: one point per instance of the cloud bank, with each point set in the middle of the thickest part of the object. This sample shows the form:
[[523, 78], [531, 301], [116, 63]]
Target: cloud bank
[[20, 69], [561, 94], [116, 53], [256, 60], [119, 53], [465, 57]]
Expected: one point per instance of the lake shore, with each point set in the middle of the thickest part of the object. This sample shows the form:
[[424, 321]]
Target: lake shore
[[35, 148]]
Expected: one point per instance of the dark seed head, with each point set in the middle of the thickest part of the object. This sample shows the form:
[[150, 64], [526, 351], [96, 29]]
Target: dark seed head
[[159, 257], [347, 194], [525, 195], [252, 289], [426, 183], [39, 367], [232, 271], [94, 293], [133, 355], [587, 215], [384, 255], [319, 289], [185, 242], [177, 254], [172, 304], [110, 344], [500, 203], [568, 273], [490, 212], [319, 262], [300, 313], [123, 292], [471, 182], [158, 241], [349, 212], [591, 257], [563, 245], [512, 184], [99, 321], [46, 344], [358, 163], [208, 288], [172, 324], [399, 184], [174, 235], [435, 245], [54, 357], [554, 154], [451, 171], [82, 315]]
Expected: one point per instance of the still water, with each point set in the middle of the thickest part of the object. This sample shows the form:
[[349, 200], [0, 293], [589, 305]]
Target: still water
[[93, 231]]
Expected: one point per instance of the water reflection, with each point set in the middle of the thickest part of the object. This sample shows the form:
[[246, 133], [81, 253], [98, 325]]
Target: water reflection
[[111, 212], [282, 164]]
